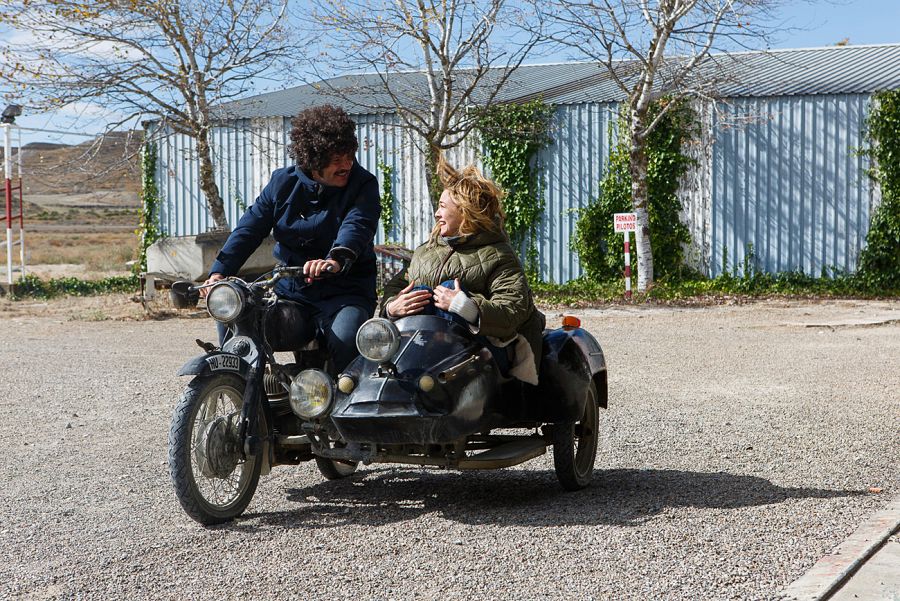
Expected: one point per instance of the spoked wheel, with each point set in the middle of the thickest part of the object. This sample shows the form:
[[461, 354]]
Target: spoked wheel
[[333, 469], [575, 446], [213, 481]]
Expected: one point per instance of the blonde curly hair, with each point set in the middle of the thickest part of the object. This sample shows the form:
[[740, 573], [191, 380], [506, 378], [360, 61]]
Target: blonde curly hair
[[478, 198]]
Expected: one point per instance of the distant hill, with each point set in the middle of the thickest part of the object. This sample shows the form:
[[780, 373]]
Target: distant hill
[[106, 163], [40, 146]]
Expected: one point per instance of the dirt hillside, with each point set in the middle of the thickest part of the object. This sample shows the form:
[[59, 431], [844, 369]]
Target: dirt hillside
[[81, 207], [108, 163]]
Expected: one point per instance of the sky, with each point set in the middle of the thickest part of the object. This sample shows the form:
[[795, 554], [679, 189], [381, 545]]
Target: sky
[[808, 24]]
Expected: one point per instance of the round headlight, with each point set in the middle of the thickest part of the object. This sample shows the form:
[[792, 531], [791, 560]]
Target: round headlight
[[224, 302], [378, 339], [311, 393]]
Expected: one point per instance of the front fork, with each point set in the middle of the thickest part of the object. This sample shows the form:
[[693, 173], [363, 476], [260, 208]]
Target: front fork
[[248, 430]]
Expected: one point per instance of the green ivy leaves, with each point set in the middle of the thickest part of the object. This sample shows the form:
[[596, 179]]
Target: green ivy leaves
[[511, 135], [149, 231], [387, 198], [599, 248], [879, 261]]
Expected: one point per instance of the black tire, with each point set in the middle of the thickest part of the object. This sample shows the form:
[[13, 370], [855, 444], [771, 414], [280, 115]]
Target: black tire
[[225, 490], [335, 470], [575, 446]]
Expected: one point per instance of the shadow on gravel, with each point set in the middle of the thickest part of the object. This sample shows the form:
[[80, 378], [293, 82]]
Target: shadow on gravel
[[532, 498]]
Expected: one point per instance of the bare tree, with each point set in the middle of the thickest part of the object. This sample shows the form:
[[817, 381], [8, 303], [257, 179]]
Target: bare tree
[[428, 61], [650, 50], [170, 60]]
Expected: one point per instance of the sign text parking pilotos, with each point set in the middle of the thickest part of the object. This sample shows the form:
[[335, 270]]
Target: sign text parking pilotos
[[626, 222]]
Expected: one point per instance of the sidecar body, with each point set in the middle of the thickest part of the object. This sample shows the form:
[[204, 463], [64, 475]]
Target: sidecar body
[[438, 398]]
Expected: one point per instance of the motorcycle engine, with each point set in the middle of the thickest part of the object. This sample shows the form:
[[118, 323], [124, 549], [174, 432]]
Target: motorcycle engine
[[278, 395]]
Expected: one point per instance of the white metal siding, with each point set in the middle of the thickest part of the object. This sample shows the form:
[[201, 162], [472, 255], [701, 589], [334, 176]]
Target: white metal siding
[[782, 174], [792, 183]]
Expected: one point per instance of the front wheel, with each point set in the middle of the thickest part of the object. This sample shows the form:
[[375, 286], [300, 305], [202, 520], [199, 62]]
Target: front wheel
[[213, 481], [575, 446]]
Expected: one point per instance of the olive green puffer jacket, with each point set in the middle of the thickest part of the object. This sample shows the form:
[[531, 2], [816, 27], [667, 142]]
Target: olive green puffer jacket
[[490, 272]]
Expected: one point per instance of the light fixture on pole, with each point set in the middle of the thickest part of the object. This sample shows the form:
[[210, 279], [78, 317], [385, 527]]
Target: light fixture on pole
[[10, 113]]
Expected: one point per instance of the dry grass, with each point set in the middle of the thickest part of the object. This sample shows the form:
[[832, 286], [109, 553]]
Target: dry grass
[[97, 251], [72, 216]]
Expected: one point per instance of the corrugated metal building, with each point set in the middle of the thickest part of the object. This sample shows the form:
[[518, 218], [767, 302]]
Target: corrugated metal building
[[777, 163]]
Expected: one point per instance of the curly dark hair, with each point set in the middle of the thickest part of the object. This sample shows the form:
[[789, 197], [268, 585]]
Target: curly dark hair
[[319, 134]]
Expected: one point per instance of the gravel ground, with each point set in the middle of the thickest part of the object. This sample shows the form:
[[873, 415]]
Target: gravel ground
[[740, 446]]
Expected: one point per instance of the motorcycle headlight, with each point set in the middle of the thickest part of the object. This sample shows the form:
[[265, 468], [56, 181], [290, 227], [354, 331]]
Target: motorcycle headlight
[[224, 302], [378, 339], [311, 393]]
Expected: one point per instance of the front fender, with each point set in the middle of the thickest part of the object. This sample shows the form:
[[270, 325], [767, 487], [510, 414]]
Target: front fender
[[216, 362]]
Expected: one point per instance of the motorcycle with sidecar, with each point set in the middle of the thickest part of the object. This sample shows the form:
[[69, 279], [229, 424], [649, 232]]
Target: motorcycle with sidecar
[[423, 391]]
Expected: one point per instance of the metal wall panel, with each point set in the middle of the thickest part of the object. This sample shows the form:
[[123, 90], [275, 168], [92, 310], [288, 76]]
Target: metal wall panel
[[571, 169], [788, 179], [782, 174], [247, 151]]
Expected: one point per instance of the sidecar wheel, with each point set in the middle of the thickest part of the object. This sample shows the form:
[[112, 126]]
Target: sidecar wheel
[[335, 470], [213, 482], [575, 446]]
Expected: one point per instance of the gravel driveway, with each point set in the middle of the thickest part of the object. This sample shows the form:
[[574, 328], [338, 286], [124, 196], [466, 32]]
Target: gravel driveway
[[740, 446]]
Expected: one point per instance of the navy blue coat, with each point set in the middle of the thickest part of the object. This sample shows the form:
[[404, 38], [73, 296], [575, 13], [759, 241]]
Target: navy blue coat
[[312, 221]]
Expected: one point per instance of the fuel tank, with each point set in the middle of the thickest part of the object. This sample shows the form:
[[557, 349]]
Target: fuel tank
[[441, 386]]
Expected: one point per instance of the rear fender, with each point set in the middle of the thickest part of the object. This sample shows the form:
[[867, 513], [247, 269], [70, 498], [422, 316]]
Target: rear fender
[[571, 360], [567, 341]]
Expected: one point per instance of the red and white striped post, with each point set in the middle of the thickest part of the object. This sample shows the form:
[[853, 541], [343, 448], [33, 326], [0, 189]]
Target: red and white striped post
[[626, 223], [627, 265]]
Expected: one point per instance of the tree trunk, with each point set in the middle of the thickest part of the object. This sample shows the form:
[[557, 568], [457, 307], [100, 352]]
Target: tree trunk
[[640, 202], [208, 181], [432, 181]]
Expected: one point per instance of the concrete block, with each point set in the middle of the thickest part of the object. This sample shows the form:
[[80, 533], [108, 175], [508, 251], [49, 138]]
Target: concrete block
[[190, 257]]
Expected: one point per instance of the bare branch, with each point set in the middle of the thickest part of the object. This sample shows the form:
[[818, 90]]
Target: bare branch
[[172, 60], [427, 61]]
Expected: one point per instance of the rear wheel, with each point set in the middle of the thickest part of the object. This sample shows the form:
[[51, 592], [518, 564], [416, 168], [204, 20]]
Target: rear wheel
[[213, 481], [575, 445]]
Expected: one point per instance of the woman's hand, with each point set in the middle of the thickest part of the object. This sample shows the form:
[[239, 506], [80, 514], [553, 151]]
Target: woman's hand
[[316, 269], [444, 296], [408, 302]]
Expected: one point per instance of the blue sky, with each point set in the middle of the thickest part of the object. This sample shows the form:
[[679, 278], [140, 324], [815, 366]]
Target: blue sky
[[813, 23], [824, 23]]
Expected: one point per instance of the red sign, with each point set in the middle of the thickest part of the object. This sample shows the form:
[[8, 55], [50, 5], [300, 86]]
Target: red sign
[[624, 222]]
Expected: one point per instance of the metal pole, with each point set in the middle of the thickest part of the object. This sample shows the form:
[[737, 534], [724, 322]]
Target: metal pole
[[7, 173], [21, 204]]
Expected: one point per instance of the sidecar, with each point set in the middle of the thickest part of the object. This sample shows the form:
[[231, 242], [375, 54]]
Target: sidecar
[[425, 391]]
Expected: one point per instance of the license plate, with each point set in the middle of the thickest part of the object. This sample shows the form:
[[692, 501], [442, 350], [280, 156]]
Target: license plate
[[218, 362]]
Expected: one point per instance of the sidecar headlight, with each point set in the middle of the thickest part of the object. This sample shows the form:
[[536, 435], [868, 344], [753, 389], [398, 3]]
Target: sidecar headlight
[[311, 393], [378, 339], [224, 302]]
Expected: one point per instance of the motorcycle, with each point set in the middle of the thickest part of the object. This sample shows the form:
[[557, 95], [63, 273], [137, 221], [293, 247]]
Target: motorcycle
[[423, 391]]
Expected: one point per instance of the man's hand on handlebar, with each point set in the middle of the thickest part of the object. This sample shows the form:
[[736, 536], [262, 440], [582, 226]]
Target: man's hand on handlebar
[[320, 268], [212, 279]]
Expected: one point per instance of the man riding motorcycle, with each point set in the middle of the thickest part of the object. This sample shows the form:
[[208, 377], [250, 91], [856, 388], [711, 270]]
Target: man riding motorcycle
[[323, 213]]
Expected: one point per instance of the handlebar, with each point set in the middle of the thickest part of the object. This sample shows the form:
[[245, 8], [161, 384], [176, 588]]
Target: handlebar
[[288, 271], [185, 294]]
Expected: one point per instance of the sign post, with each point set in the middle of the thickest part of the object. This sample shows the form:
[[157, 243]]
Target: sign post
[[625, 223]]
